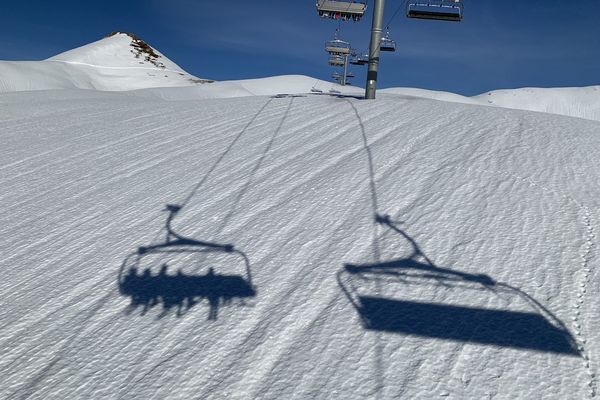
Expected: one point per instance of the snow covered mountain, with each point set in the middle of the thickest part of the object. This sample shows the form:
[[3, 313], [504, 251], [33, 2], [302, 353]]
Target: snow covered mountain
[[118, 62], [240, 243], [122, 62]]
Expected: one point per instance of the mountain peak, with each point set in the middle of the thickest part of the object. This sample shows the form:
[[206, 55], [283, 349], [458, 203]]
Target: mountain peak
[[141, 49], [120, 61]]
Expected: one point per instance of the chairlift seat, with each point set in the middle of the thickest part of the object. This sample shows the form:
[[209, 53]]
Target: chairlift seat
[[336, 61], [337, 46], [436, 10], [363, 59], [343, 10], [387, 44]]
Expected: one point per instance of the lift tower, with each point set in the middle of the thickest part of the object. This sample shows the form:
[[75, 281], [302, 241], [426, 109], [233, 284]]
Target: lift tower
[[374, 48]]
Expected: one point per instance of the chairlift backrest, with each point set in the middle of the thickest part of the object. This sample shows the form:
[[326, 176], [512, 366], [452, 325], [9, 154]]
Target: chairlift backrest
[[445, 10]]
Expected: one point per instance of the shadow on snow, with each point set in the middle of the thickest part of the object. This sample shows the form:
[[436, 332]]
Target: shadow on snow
[[181, 291], [537, 330]]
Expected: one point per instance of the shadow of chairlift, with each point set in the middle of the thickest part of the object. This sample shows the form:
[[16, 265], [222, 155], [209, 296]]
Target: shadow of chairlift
[[144, 276], [536, 330]]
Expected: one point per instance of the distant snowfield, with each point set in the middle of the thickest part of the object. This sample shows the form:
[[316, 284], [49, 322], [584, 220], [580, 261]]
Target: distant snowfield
[[315, 246]]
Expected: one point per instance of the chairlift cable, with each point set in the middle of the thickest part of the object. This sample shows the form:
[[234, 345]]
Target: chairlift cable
[[402, 6], [218, 162]]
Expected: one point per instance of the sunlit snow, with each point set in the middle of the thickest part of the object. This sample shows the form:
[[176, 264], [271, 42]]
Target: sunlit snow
[[259, 240]]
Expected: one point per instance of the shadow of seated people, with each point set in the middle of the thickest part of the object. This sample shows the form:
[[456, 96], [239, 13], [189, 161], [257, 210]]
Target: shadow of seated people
[[404, 307], [182, 291], [144, 275]]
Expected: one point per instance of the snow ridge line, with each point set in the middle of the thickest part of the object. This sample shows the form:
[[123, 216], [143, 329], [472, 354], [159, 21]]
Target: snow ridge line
[[585, 256]]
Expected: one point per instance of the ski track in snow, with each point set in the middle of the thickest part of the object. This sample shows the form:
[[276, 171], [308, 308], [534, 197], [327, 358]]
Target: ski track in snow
[[294, 183]]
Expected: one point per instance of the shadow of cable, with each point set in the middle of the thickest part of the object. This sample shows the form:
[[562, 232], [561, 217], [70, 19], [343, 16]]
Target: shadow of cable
[[536, 330], [144, 276]]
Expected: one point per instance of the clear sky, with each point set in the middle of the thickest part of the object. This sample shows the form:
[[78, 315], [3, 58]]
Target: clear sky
[[500, 44]]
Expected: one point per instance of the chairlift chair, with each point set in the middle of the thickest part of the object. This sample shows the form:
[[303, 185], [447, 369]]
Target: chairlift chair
[[445, 10], [337, 60], [363, 59], [387, 43], [341, 10], [337, 46]]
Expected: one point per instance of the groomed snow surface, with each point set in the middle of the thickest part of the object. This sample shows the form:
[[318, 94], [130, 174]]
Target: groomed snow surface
[[228, 241], [478, 280]]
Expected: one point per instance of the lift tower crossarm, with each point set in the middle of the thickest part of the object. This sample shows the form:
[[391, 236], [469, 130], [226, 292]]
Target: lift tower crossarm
[[376, 29]]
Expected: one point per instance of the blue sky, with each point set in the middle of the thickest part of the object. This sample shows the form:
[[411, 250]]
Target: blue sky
[[499, 44]]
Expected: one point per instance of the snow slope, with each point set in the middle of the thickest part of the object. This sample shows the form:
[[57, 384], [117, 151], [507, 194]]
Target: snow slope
[[575, 102], [274, 280], [284, 84], [119, 62], [579, 102]]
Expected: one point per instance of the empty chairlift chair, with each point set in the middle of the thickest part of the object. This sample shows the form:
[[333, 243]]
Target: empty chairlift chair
[[337, 47], [387, 43], [343, 10], [358, 58], [337, 60], [445, 10]]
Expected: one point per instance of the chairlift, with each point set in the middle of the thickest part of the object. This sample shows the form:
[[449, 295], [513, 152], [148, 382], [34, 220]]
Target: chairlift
[[358, 59], [350, 74], [337, 46], [341, 10], [387, 43], [337, 60], [362, 59], [444, 10]]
